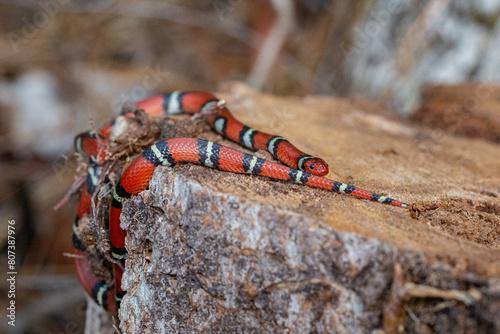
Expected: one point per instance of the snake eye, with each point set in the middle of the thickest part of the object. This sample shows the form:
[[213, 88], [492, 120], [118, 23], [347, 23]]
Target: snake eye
[[311, 166]]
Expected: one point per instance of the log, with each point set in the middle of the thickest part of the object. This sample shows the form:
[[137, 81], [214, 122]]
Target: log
[[216, 252], [471, 109]]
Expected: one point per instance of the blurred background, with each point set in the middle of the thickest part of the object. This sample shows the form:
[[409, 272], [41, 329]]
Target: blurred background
[[67, 66]]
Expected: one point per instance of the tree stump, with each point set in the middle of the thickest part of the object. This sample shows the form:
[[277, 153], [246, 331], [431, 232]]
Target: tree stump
[[216, 252]]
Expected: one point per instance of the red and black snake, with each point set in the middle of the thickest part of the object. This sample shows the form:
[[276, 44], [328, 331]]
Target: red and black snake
[[300, 168]]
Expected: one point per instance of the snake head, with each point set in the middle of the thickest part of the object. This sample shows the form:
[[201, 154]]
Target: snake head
[[92, 144], [316, 166]]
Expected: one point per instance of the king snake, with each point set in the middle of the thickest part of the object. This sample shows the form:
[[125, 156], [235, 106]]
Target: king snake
[[300, 168]]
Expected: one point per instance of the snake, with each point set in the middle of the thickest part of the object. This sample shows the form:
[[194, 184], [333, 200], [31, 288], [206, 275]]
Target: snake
[[297, 167]]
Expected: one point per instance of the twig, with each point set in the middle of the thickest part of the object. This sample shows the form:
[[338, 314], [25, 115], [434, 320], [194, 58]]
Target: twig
[[273, 44], [403, 291], [74, 256], [74, 188]]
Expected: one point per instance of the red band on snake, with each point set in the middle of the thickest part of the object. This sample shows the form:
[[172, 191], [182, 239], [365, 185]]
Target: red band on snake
[[136, 177]]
